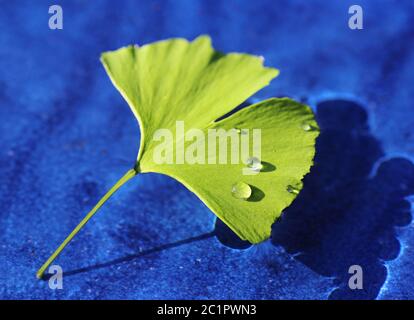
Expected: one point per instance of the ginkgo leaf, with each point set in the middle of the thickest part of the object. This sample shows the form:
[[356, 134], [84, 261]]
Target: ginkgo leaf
[[287, 151], [175, 83]]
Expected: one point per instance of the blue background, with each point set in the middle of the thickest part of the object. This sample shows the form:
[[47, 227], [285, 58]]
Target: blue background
[[66, 136]]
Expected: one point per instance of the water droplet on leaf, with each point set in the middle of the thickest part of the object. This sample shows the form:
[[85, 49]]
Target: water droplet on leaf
[[241, 131], [292, 189], [241, 190], [255, 164], [306, 127]]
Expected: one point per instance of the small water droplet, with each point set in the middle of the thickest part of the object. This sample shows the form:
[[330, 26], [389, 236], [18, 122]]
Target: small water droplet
[[241, 131], [254, 163], [241, 190], [307, 127], [292, 189]]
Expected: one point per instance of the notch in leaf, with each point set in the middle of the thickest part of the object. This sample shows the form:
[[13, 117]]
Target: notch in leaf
[[176, 80]]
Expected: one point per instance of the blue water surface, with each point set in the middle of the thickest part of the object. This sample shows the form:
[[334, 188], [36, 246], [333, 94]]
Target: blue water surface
[[66, 136]]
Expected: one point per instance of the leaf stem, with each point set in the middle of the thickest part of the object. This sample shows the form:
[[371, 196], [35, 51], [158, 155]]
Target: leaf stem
[[127, 176]]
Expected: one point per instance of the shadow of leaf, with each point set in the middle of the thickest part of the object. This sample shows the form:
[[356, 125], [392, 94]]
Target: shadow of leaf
[[134, 256], [343, 216]]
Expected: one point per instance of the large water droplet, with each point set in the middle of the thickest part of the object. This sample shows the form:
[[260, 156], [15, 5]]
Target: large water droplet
[[241, 190], [254, 164], [292, 189]]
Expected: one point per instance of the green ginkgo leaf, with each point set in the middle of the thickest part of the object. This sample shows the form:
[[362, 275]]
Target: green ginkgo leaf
[[182, 87]]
